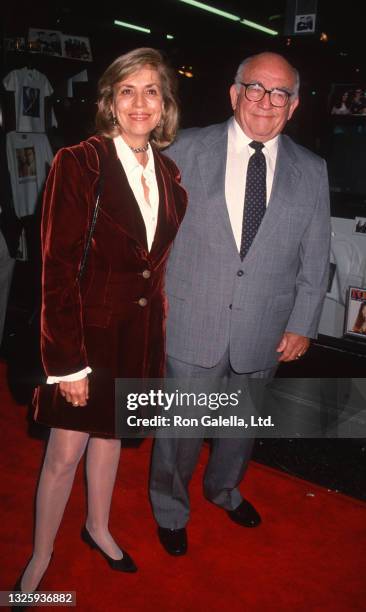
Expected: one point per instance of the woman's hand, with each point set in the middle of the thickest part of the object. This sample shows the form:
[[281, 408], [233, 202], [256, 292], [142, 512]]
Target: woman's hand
[[75, 392]]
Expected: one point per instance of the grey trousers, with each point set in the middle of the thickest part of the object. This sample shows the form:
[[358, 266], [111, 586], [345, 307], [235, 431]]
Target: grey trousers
[[6, 273], [174, 459]]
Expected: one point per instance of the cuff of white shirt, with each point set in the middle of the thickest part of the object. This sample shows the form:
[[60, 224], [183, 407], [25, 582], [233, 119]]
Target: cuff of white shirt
[[69, 377]]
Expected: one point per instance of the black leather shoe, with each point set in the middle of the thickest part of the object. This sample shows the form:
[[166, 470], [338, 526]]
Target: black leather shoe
[[245, 515], [173, 540], [125, 564]]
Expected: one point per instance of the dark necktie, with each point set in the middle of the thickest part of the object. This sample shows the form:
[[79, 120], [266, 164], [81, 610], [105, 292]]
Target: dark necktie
[[255, 197]]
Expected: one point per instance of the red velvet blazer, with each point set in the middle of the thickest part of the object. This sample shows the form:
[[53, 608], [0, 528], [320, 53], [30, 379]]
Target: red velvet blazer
[[114, 321]]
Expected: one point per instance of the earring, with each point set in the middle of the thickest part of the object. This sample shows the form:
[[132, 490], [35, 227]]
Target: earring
[[114, 121]]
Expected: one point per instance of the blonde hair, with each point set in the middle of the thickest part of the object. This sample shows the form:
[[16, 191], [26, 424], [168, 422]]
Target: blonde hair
[[123, 66]]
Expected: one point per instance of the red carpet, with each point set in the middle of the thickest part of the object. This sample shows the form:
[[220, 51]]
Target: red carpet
[[308, 555]]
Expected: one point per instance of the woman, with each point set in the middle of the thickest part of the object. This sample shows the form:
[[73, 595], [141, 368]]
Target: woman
[[112, 323], [360, 323]]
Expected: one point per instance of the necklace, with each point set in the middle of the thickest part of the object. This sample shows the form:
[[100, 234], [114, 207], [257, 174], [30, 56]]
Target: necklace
[[139, 149]]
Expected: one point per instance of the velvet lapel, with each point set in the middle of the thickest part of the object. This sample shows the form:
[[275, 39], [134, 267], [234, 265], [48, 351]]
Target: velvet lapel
[[118, 202]]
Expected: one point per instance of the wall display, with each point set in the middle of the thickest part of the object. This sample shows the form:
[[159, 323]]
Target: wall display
[[47, 42], [28, 157], [305, 23], [53, 42], [348, 99], [360, 226], [355, 319], [347, 268], [76, 47], [30, 88]]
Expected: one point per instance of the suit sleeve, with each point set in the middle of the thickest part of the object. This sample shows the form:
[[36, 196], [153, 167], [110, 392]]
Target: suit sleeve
[[313, 273], [63, 231]]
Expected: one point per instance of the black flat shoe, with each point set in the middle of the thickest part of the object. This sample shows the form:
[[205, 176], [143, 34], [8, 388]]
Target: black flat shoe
[[174, 541], [125, 564]]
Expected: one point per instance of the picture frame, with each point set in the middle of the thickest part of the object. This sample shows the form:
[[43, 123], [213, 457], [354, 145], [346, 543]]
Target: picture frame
[[360, 226], [305, 24], [355, 313], [47, 42], [76, 48]]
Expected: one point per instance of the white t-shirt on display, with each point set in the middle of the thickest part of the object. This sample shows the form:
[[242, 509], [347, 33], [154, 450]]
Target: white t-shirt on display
[[30, 88], [28, 156]]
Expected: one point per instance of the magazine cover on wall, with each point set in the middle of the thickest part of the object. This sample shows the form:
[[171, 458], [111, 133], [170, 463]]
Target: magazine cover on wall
[[355, 320], [360, 226], [76, 47], [47, 42], [348, 99]]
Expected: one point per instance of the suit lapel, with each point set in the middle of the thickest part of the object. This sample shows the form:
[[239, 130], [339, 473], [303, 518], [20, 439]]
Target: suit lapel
[[286, 177], [283, 194], [212, 167]]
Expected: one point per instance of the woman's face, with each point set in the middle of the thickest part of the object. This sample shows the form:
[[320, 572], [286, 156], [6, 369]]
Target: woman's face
[[138, 105]]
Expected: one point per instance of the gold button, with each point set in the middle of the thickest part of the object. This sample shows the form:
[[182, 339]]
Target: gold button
[[146, 274], [142, 302]]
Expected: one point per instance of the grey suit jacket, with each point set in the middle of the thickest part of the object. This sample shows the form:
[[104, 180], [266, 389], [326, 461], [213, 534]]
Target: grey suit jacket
[[215, 299]]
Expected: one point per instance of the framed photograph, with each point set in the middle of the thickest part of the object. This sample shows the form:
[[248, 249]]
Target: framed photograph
[[360, 226], [305, 24], [76, 47], [355, 319], [47, 42]]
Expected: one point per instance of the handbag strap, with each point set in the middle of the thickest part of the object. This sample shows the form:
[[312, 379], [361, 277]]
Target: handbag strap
[[91, 230]]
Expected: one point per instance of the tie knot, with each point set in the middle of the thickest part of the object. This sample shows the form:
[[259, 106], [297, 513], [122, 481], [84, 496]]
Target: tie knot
[[257, 146]]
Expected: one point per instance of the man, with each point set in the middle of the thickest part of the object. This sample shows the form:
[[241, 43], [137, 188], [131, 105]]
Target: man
[[247, 275]]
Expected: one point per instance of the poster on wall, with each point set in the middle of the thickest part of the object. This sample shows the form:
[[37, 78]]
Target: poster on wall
[[360, 226], [47, 42], [76, 47], [348, 99], [355, 319]]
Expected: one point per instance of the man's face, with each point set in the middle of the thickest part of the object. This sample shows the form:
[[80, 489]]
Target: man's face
[[260, 120]]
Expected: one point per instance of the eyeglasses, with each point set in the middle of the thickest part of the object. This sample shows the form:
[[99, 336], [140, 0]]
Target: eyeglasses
[[254, 92]]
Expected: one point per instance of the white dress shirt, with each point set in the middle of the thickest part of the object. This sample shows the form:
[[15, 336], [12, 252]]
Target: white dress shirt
[[149, 210], [134, 172], [238, 154]]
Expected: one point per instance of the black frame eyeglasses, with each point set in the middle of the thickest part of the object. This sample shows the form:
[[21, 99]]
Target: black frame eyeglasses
[[255, 92]]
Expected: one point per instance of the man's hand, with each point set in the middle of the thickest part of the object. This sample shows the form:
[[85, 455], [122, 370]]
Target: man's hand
[[292, 346], [75, 392]]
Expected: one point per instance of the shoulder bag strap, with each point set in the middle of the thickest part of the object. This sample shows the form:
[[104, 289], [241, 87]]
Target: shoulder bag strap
[[91, 229]]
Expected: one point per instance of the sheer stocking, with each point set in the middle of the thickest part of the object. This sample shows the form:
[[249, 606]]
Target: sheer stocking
[[64, 451], [101, 465]]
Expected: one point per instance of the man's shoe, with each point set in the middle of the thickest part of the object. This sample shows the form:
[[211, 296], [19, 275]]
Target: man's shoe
[[245, 515], [173, 540]]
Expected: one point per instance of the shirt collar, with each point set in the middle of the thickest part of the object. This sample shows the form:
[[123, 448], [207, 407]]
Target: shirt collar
[[128, 159], [240, 140]]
